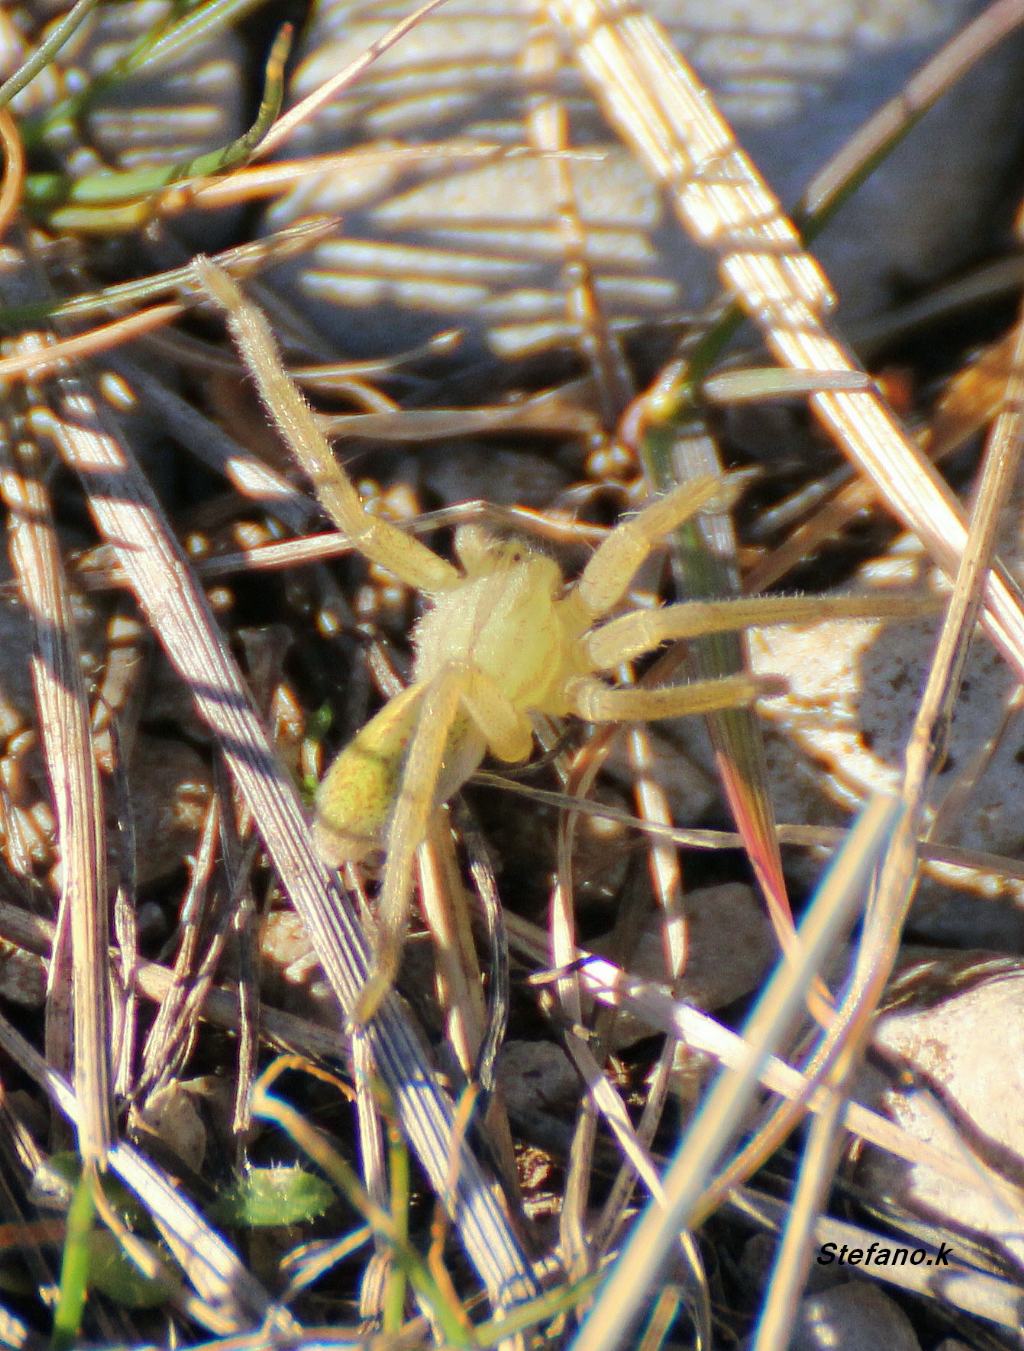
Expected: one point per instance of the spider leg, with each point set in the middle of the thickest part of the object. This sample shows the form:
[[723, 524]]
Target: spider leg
[[616, 561], [641, 631], [508, 732], [457, 688], [595, 701], [380, 541], [439, 708]]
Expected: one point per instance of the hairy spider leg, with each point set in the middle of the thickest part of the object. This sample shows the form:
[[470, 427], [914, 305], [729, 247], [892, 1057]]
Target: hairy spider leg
[[458, 689], [380, 541], [423, 745], [595, 701], [632, 635], [606, 578], [641, 631], [603, 585]]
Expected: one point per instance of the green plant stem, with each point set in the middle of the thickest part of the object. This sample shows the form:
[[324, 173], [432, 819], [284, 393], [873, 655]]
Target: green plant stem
[[46, 51], [74, 1270], [107, 189]]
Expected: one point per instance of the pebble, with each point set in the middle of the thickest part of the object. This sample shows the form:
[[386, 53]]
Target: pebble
[[730, 948], [22, 976], [841, 729], [290, 974], [171, 1113], [537, 1078], [171, 790], [962, 1037], [852, 1317], [757, 1262]]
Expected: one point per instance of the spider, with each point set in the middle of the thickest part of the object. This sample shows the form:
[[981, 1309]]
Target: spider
[[504, 637]]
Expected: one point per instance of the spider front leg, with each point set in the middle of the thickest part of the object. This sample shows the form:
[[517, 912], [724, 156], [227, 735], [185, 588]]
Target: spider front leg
[[378, 540], [606, 578], [594, 701], [632, 635]]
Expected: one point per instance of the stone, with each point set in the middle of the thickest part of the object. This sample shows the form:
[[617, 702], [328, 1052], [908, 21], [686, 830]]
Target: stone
[[852, 1317], [437, 237], [959, 1029], [171, 1114], [171, 787], [730, 949], [22, 976], [537, 1077], [290, 974], [841, 728]]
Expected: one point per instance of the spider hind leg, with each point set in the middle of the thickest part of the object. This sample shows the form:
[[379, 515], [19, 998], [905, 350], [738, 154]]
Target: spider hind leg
[[459, 691]]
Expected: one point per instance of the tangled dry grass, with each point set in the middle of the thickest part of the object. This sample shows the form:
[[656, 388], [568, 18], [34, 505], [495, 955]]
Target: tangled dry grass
[[195, 1142]]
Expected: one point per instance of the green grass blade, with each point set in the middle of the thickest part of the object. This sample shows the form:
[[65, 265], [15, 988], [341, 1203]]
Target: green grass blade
[[159, 44], [46, 191], [46, 51], [74, 1270]]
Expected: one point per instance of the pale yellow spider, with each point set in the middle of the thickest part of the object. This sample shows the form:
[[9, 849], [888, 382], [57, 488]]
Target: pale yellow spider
[[504, 637]]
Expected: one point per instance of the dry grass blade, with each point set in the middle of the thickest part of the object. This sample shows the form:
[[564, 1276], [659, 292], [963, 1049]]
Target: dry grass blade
[[845, 170], [274, 180], [118, 332], [100, 339], [926, 745], [212, 446], [666, 876], [67, 743], [708, 567], [14, 170], [609, 1103], [670, 119], [128, 516], [655, 1005], [819, 1159], [608, 1323], [970, 400], [972, 397], [330, 89], [233, 1298], [547, 125], [374, 1170], [973, 1292], [171, 1032], [283, 1031]]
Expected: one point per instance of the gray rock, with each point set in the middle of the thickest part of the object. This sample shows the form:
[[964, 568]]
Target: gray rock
[[537, 1077], [961, 1032], [853, 1317], [839, 734], [730, 948], [435, 239]]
